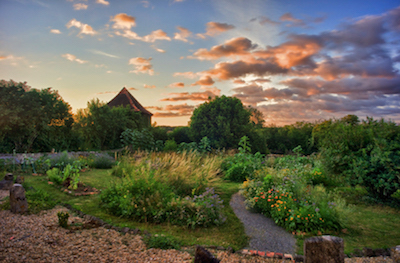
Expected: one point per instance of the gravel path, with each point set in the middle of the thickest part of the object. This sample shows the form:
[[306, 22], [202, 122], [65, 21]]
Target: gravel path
[[264, 234]]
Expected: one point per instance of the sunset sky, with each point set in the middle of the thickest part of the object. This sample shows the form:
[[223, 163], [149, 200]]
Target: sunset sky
[[292, 60]]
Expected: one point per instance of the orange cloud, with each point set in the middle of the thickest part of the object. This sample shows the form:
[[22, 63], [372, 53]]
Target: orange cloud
[[188, 74], [183, 34], [177, 85], [288, 17], [156, 35], [85, 28], [149, 86], [194, 96], [102, 2], [123, 21], [204, 81], [174, 110], [234, 47], [215, 28], [142, 65]]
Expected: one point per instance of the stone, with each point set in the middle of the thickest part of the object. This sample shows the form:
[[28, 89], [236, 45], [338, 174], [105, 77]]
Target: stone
[[204, 256], [395, 254], [329, 249], [7, 182], [18, 202], [19, 180]]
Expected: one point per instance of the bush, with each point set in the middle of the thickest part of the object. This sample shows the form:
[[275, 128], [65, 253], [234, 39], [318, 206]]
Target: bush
[[38, 200], [161, 242], [138, 140], [101, 161], [54, 175], [170, 146]]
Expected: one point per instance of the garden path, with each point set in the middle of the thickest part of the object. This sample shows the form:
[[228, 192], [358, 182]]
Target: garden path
[[264, 234]]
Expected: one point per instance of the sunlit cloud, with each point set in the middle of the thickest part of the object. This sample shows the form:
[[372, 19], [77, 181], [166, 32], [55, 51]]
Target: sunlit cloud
[[216, 28], [188, 74], [156, 35], [177, 85], [204, 81], [80, 6], [85, 28], [149, 86], [194, 96], [183, 34], [288, 17], [173, 110], [123, 21], [71, 57], [55, 31], [158, 49], [103, 2], [142, 65]]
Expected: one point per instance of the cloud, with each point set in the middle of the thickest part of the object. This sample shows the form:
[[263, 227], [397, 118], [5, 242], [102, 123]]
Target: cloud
[[80, 6], [177, 85], [131, 88], [183, 34], [234, 47], [149, 86], [204, 81], [174, 110], [265, 20], [142, 65], [85, 28], [158, 49], [103, 53], [103, 2], [123, 21], [188, 74], [71, 57], [194, 96], [55, 31], [288, 17], [215, 28], [156, 35]]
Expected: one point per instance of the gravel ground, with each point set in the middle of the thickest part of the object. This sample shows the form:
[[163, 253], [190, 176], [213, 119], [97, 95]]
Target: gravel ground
[[264, 234]]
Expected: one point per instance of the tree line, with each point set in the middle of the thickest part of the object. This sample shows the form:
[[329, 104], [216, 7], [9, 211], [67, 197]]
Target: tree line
[[34, 120]]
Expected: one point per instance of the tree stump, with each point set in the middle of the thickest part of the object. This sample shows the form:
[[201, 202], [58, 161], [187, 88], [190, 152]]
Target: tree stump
[[18, 202], [327, 249]]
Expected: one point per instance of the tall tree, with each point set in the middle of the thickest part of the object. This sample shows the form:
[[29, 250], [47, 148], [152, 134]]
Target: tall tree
[[223, 120]]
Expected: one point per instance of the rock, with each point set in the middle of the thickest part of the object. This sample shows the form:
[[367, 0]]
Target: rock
[[7, 182], [395, 254], [204, 256], [18, 202], [324, 249], [19, 180]]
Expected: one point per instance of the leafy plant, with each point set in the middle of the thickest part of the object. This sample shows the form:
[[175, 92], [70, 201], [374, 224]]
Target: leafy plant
[[38, 200], [54, 175], [63, 219]]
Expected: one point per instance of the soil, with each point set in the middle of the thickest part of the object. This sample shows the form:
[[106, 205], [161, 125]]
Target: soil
[[82, 189]]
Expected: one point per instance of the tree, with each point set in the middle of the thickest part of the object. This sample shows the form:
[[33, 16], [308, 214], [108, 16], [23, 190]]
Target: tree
[[31, 119], [223, 120], [100, 126]]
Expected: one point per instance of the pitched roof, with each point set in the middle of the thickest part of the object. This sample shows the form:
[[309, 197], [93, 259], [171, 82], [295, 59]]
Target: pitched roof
[[125, 98]]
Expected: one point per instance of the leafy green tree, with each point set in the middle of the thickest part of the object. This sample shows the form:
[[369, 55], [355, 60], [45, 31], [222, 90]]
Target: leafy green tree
[[100, 126], [222, 120], [31, 119], [180, 134]]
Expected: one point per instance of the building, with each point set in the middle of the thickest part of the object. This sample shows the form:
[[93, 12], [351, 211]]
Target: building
[[124, 98]]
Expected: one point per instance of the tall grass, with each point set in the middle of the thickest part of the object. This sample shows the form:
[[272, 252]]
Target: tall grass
[[188, 173]]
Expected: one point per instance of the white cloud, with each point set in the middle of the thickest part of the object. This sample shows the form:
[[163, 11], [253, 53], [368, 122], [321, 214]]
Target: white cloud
[[85, 28], [71, 57], [55, 31], [142, 65], [103, 2], [80, 6]]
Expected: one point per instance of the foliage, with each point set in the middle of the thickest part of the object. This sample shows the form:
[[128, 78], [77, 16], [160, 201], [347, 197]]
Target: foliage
[[63, 219], [138, 140], [161, 242], [54, 175], [243, 164], [101, 161], [33, 120], [158, 187], [100, 126], [180, 135], [223, 120], [284, 194], [38, 199], [170, 146]]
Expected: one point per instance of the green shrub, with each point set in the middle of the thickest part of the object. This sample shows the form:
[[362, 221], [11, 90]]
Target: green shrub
[[54, 175], [161, 242], [101, 161], [63, 219], [170, 146], [38, 200], [138, 140]]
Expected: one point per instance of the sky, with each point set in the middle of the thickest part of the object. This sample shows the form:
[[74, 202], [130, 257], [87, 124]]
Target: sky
[[292, 60]]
